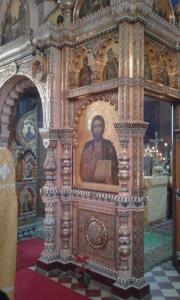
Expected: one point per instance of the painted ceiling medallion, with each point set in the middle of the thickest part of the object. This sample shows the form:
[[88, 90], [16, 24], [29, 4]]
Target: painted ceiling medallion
[[96, 233]]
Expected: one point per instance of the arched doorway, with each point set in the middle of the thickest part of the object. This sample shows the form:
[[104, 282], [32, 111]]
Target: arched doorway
[[21, 116], [158, 174]]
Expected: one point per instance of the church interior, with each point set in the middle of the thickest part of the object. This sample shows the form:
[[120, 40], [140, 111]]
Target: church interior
[[89, 149]]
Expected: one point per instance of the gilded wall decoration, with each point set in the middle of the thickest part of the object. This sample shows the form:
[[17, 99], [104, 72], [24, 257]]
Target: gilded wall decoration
[[164, 9], [83, 71], [26, 131], [147, 68], [107, 58], [39, 67], [111, 68], [160, 64], [95, 163], [94, 62], [85, 8], [17, 21], [29, 167], [27, 200], [85, 74]]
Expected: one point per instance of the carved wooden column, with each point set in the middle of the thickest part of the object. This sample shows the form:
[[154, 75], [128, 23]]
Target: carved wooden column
[[130, 130], [66, 136], [50, 196]]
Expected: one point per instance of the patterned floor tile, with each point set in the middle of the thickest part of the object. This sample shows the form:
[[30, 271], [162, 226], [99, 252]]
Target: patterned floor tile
[[159, 268], [171, 273], [176, 285], [93, 293], [169, 293], [67, 285], [158, 298], [154, 286], [161, 279], [164, 283], [156, 293], [54, 279], [172, 298], [158, 273], [81, 291], [175, 278], [65, 280], [150, 279]]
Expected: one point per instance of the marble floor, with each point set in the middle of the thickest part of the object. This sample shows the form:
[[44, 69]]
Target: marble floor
[[164, 283], [158, 241]]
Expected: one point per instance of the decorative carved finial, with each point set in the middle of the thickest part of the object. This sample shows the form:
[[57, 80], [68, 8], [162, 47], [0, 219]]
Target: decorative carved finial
[[66, 7]]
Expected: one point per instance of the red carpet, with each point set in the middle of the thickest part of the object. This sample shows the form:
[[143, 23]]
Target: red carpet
[[28, 252], [33, 286]]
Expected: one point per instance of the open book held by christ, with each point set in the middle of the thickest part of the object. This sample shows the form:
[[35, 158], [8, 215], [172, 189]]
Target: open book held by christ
[[103, 170]]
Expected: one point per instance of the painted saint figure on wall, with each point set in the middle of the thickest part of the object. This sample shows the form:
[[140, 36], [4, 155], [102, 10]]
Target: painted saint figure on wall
[[165, 75], [111, 67], [99, 162], [85, 74], [16, 23], [147, 68]]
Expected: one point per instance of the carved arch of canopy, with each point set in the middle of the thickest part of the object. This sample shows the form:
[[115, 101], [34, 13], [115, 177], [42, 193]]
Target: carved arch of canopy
[[10, 93]]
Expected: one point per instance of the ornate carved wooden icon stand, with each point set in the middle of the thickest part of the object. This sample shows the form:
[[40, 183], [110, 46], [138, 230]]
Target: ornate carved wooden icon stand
[[104, 220]]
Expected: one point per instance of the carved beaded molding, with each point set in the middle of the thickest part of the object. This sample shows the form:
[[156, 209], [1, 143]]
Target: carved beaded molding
[[105, 86], [121, 201]]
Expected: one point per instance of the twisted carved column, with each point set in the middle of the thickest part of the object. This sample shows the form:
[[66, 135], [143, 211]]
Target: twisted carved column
[[50, 195], [66, 136]]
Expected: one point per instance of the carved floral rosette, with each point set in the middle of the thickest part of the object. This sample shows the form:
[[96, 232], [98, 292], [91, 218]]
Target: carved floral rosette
[[96, 233]]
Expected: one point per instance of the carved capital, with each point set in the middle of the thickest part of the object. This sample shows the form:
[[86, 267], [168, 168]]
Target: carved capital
[[130, 128], [66, 136], [49, 136]]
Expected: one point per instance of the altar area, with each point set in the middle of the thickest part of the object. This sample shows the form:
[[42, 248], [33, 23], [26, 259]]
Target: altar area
[[155, 189]]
